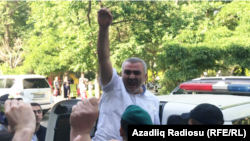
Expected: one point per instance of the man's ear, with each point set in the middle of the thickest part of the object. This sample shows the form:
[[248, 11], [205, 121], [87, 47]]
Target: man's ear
[[146, 76], [121, 132]]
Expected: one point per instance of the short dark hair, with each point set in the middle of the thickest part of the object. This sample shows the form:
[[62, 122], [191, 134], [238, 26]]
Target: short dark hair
[[136, 60], [36, 104], [6, 136]]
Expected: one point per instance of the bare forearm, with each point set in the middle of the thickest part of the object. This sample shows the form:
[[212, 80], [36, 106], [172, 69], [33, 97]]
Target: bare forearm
[[23, 135], [84, 137], [104, 55]]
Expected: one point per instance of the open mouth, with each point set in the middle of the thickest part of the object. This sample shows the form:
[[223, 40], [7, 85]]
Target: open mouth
[[132, 83]]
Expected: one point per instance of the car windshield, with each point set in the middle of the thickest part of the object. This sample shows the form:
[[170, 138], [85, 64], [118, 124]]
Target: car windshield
[[35, 83]]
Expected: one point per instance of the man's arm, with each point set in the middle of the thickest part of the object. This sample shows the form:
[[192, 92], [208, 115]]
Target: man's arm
[[23, 135], [104, 19], [21, 119], [82, 119]]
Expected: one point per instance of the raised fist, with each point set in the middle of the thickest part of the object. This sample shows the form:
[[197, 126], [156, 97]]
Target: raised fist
[[84, 115], [104, 17], [20, 116]]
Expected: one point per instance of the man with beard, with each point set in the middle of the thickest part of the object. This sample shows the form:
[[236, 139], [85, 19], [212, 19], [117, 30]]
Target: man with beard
[[119, 93], [40, 130]]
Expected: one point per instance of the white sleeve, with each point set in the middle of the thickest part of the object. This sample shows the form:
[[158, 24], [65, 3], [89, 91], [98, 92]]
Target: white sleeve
[[113, 82], [157, 116]]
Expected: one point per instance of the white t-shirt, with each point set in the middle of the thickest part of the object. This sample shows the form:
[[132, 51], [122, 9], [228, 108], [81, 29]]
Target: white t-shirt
[[114, 101]]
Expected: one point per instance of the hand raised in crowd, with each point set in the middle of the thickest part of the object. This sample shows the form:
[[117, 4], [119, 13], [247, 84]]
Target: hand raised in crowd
[[21, 119], [104, 17], [83, 117], [78, 138]]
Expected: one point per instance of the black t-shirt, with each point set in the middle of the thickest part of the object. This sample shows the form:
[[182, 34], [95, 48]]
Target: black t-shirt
[[41, 133]]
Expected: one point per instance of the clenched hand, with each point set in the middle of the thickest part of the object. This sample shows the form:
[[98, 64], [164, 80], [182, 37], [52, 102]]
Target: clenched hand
[[83, 117], [104, 17], [20, 116]]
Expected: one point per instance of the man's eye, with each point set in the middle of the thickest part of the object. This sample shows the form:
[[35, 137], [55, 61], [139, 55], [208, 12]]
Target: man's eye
[[137, 72], [128, 72]]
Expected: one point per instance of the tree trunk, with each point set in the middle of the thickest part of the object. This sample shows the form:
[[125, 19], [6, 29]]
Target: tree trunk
[[7, 35], [176, 2]]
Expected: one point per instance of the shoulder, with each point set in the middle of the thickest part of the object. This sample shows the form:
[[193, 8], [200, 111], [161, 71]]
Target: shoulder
[[149, 94], [42, 128]]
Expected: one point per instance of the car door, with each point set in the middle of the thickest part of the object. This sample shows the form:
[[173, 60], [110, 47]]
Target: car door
[[58, 128]]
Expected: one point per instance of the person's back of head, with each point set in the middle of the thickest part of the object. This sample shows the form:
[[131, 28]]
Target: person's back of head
[[133, 115], [35, 104], [6, 136], [204, 114]]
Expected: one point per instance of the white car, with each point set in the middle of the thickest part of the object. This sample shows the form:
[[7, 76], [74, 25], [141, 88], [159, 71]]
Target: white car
[[31, 88], [235, 109], [230, 94]]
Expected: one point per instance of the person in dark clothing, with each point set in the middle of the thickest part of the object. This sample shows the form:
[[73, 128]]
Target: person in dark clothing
[[66, 87], [41, 133], [40, 130]]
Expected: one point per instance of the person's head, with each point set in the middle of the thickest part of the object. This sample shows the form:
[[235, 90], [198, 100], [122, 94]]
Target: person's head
[[82, 75], [56, 78], [133, 115], [6, 136], [204, 114], [37, 109], [134, 74], [66, 78]]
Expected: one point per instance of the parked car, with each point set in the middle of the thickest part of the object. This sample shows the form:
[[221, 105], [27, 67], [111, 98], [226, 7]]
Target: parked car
[[31, 88], [235, 109]]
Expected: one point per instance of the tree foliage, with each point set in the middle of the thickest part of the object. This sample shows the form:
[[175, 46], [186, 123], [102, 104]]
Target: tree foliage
[[180, 39], [14, 30]]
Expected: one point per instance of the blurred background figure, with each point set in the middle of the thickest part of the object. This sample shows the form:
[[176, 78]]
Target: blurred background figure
[[57, 90], [66, 87], [90, 87], [83, 86]]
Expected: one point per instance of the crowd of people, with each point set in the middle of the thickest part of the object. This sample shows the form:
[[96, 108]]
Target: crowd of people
[[82, 88], [125, 101]]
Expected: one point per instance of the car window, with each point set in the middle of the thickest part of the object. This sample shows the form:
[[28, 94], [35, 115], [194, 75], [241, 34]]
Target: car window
[[242, 121], [35, 83], [9, 83], [2, 83], [182, 91]]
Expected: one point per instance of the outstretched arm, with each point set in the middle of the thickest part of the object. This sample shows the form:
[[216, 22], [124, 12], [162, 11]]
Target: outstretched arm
[[104, 19]]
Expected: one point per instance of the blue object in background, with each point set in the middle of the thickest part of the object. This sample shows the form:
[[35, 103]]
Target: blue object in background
[[239, 87]]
